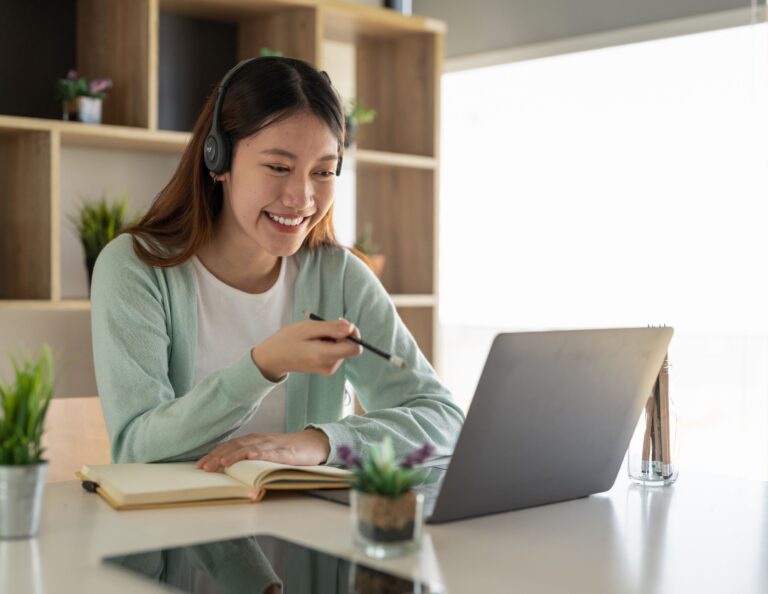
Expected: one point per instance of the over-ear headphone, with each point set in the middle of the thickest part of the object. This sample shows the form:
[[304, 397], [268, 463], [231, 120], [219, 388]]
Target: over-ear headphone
[[217, 149]]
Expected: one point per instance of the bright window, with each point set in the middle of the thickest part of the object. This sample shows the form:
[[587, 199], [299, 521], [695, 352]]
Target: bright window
[[619, 187]]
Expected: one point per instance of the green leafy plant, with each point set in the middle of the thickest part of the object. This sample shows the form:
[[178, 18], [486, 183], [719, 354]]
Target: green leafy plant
[[364, 243], [99, 222], [354, 116], [267, 52], [74, 86], [359, 114], [23, 405], [379, 472]]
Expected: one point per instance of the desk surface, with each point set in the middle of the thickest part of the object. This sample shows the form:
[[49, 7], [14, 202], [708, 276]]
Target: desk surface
[[705, 534]]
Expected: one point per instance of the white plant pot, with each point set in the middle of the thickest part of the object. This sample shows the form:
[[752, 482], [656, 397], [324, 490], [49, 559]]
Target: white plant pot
[[89, 110], [21, 499]]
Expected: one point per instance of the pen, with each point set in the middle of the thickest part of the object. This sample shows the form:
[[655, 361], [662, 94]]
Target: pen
[[394, 359]]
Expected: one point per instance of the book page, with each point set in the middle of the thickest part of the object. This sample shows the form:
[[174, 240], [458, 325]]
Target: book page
[[254, 472], [153, 483]]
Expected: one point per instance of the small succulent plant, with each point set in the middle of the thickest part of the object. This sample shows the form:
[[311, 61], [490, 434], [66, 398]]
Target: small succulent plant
[[379, 473]]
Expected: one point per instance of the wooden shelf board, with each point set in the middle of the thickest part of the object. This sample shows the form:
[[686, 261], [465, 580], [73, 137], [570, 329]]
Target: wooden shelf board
[[104, 136], [369, 157], [347, 22], [228, 11], [344, 20], [45, 305], [403, 300]]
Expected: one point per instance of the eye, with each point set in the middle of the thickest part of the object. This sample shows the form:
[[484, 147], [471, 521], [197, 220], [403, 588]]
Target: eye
[[326, 174], [278, 168]]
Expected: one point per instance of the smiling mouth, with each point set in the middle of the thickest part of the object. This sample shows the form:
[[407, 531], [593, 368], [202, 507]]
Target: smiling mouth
[[286, 221]]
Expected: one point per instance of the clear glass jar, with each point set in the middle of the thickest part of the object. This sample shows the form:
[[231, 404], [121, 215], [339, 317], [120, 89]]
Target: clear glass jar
[[652, 458], [387, 526]]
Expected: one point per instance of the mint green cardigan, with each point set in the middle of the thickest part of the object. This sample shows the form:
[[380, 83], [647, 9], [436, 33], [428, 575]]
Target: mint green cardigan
[[144, 326]]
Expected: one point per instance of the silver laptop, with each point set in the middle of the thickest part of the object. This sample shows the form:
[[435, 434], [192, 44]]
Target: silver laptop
[[550, 421]]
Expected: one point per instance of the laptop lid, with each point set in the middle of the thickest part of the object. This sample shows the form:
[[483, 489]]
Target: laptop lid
[[551, 419]]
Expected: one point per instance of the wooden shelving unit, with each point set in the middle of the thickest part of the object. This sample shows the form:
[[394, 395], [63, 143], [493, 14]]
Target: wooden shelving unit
[[164, 57]]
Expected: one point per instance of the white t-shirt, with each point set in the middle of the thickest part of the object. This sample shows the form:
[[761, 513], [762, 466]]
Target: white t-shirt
[[231, 322]]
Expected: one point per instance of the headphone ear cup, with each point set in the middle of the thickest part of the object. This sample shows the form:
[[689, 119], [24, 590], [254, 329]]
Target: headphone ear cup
[[216, 151]]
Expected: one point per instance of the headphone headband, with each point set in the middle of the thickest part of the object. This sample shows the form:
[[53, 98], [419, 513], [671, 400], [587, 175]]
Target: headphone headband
[[217, 148]]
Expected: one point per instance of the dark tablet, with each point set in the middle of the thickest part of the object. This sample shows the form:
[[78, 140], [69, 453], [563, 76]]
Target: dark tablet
[[262, 564]]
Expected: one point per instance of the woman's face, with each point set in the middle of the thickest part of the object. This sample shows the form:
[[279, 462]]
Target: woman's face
[[280, 184]]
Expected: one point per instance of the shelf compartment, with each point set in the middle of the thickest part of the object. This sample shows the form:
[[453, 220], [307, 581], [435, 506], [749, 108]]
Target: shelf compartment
[[26, 168], [200, 41], [113, 40], [398, 203], [89, 173], [420, 322], [398, 78], [39, 46], [95, 37]]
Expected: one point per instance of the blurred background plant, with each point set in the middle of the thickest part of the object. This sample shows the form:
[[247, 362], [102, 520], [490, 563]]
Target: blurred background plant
[[265, 51], [355, 115], [74, 85], [368, 251], [97, 223]]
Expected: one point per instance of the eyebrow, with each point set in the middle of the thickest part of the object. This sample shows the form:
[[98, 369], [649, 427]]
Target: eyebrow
[[290, 155]]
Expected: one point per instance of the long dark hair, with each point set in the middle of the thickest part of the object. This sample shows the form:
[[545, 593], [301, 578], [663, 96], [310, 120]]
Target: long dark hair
[[264, 91]]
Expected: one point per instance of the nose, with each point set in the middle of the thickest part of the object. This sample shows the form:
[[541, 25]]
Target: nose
[[299, 193]]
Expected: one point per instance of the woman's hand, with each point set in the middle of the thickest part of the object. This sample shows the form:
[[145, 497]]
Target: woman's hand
[[309, 347], [305, 448]]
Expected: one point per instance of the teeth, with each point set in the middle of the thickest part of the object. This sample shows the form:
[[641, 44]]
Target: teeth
[[284, 221]]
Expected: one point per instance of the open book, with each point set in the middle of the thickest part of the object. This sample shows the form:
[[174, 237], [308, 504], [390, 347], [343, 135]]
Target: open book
[[142, 486]]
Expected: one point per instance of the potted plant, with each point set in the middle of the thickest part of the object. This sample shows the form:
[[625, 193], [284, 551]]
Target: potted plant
[[81, 100], [97, 223], [23, 405], [355, 115], [387, 513], [267, 52], [369, 251]]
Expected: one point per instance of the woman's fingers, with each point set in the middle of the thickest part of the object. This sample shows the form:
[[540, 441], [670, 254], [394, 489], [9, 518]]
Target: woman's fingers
[[209, 463], [331, 351], [236, 455], [308, 447], [223, 454], [337, 329]]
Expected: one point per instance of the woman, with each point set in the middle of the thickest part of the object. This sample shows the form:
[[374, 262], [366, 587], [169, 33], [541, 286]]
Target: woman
[[201, 347]]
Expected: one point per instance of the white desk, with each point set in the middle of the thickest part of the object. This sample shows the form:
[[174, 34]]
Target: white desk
[[705, 534]]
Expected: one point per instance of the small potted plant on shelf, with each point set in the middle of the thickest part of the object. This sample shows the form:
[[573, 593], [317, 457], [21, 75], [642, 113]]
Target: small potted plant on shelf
[[387, 513], [97, 223], [369, 251], [23, 405], [81, 100], [267, 52], [356, 115]]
